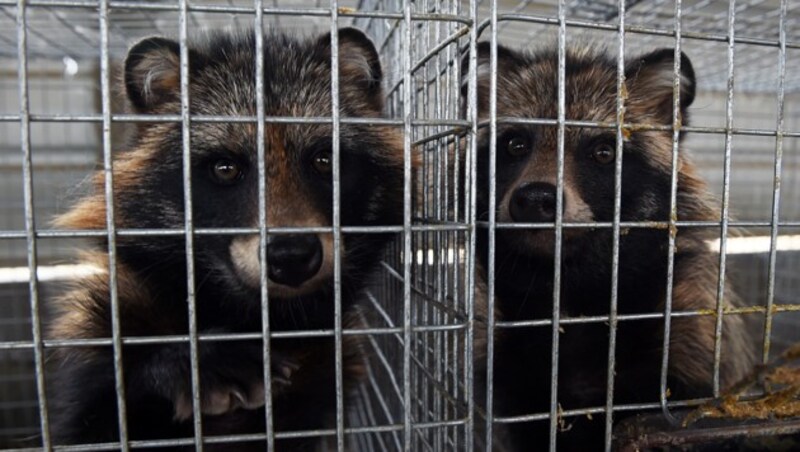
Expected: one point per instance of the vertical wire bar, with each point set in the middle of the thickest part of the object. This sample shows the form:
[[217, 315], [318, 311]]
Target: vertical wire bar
[[440, 288], [776, 189], [439, 263], [673, 216], [423, 394], [723, 251], [469, 217], [407, 251], [188, 223], [262, 223], [433, 318], [30, 223], [414, 345], [562, 43], [452, 107], [612, 313], [337, 227], [492, 209], [108, 173], [419, 250]]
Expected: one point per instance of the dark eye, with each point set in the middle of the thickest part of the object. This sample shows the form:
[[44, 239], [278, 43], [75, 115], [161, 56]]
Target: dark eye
[[518, 146], [322, 162], [226, 172], [604, 154]]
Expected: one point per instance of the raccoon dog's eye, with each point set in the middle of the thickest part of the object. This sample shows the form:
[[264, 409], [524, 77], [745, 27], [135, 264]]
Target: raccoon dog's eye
[[322, 162], [604, 154], [226, 172], [518, 146]]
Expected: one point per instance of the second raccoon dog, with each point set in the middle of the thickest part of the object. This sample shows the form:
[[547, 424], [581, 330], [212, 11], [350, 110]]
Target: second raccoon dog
[[527, 87], [152, 285]]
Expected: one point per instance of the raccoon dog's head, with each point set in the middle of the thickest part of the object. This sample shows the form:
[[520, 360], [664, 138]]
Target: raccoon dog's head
[[225, 180], [527, 87]]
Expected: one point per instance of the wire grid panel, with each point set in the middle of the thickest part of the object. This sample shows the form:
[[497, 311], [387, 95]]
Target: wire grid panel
[[650, 24], [426, 368], [65, 152], [741, 52], [73, 32], [78, 35]]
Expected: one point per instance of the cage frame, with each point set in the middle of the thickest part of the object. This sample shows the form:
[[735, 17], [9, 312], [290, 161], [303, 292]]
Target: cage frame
[[472, 30]]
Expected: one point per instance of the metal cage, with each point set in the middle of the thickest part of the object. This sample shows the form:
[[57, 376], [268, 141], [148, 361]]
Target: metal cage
[[60, 119]]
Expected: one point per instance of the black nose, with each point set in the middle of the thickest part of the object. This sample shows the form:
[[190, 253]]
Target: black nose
[[293, 259], [534, 202]]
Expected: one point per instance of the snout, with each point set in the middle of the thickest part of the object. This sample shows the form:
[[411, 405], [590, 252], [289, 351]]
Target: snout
[[534, 202], [293, 259], [297, 264]]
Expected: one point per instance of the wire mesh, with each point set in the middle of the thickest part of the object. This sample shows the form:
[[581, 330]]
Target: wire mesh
[[425, 366], [60, 118]]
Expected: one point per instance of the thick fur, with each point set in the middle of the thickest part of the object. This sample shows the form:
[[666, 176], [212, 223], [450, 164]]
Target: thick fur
[[527, 88], [151, 270]]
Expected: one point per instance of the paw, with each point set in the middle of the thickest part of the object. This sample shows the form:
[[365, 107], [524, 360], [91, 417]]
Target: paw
[[223, 399], [227, 400], [217, 401]]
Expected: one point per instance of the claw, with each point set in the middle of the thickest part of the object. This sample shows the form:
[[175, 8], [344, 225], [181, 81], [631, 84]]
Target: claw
[[286, 368], [183, 408], [238, 400]]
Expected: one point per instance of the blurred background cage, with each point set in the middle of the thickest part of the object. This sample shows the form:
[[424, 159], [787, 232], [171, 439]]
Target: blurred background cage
[[423, 361]]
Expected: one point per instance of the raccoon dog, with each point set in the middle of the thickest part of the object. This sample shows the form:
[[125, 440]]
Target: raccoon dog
[[527, 87], [151, 269]]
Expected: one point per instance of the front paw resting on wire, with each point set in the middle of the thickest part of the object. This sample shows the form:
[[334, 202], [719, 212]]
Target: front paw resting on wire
[[222, 395]]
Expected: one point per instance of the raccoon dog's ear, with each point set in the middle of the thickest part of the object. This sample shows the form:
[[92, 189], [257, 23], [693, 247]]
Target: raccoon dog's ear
[[507, 59], [153, 73], [359, 62], [650, 80]]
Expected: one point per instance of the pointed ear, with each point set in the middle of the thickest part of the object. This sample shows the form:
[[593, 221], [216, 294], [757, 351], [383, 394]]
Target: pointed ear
[[650, 79], [153, 74], [359, 62], [507, 60]]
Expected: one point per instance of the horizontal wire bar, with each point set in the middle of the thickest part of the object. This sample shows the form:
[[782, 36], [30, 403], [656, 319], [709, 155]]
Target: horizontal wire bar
[[452, 227], [787, 307], [129, 232], [598, 410], [454, 132], [459, 126], [637, 29], [229, 9], [136, 118], [641, 224], [228, 337]]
